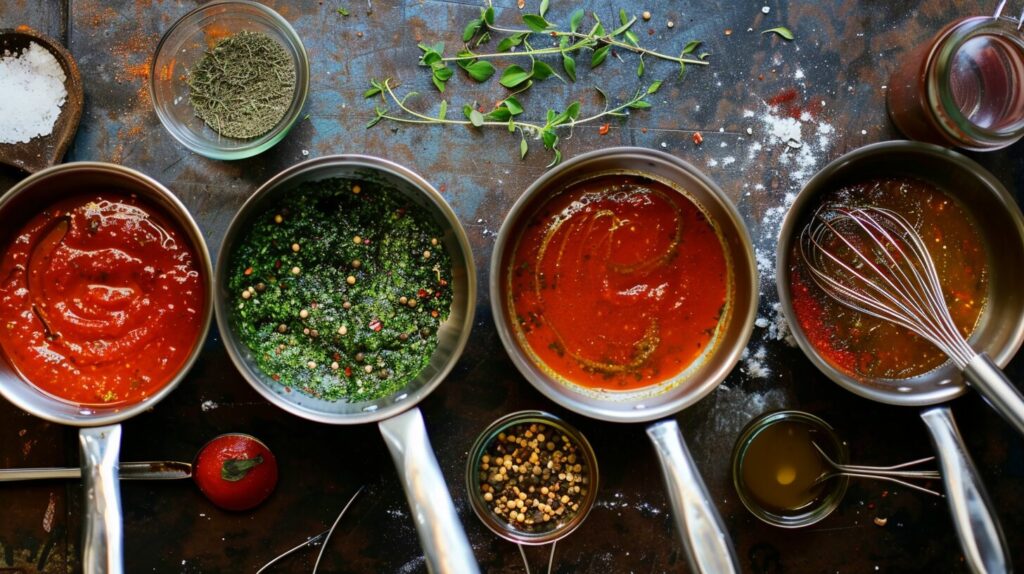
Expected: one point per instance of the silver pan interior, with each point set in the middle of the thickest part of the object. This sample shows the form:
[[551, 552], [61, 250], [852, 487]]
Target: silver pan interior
[[452, 335], [1000, 329]]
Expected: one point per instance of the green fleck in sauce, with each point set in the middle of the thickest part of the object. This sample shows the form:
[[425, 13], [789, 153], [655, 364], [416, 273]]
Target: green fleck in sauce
[[340, 289]]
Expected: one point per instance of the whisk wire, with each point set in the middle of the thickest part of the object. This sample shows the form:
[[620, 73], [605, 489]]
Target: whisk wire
[[872, 260]]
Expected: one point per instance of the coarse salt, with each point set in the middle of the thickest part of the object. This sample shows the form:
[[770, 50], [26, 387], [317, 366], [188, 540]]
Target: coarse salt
[[32, 91]]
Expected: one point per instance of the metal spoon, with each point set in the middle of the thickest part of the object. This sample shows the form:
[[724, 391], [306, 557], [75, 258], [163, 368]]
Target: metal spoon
[[149, 470]]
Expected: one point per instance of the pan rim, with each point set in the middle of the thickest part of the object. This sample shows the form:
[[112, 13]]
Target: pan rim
[[956, 386], [181, 216], [400, 401], [657, 407]]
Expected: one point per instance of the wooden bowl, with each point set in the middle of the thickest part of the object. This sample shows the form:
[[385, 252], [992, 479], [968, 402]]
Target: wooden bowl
[[43, 151]]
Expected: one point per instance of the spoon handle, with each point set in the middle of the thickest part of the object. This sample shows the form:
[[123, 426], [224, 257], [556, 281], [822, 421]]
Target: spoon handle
[[150, 470]]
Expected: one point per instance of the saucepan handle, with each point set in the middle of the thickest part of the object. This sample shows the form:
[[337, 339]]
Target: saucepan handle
[[101, 448], [981, 537], [705, 538], [444, 541], [989, 380]]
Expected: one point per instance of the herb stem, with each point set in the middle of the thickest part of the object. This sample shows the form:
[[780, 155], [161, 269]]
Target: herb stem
[[584, 40], [425, 119]]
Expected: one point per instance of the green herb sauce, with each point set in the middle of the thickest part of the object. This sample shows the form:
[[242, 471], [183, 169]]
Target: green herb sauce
[[318, 283]]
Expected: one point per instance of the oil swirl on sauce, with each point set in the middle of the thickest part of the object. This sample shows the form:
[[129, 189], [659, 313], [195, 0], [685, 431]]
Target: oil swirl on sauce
[[100, 300], [618, 282]]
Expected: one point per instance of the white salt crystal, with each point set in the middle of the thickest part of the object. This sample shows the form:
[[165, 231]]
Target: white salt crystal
[[32, 91]]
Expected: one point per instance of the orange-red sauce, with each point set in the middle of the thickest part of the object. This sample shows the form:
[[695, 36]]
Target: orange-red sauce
[[101, 300], [617, 283], [865, 346]]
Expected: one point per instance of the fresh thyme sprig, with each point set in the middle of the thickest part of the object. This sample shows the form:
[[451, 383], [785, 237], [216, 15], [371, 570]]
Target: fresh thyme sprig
[[505, 115], [571, 41]]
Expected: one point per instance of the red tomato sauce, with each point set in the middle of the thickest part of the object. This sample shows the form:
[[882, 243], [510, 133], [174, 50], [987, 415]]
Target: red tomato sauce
[[101, 300], [617, 283]]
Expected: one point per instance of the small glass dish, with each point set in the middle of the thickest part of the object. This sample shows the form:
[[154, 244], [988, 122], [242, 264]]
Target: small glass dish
[[185, 43], [558, 528], [817, 501]]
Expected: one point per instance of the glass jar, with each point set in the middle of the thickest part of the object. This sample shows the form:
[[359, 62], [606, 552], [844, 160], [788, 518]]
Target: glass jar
[[964, 88]]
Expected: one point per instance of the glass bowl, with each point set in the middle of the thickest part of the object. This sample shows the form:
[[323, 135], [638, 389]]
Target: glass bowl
[[823, 503], [559, 527], [182, 47]]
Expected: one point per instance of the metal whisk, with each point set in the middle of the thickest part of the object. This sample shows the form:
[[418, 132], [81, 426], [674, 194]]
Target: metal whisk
[[871, 259]]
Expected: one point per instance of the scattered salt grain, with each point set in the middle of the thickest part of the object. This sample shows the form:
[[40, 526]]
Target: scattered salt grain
[[765, 9], [208, 406], [32, 91]]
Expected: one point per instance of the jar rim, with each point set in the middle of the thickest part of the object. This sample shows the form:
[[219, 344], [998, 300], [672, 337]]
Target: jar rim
[[950, 119]]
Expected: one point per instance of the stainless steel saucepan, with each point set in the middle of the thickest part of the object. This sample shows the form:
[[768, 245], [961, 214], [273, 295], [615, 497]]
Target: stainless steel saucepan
[[444, 542], [100, 436], [999, 333], [703, 533]]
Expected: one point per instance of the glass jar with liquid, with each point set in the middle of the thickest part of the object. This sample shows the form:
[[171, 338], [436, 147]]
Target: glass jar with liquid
[[963, 88]]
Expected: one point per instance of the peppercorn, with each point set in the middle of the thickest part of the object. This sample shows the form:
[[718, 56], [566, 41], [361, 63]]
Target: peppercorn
[[536, 487]]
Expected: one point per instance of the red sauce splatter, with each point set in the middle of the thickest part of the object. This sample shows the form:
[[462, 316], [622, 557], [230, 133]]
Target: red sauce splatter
[[618, 283], [789, 104], [100, 300]]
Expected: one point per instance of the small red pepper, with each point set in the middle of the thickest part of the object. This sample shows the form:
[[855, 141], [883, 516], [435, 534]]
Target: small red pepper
[[376, 325], [421, 293]]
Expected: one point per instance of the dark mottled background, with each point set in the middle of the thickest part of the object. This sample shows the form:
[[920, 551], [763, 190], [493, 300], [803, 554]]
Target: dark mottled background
[[836, 71]]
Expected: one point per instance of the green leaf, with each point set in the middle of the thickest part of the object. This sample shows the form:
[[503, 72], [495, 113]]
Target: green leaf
[[510, 42], [511, 125], [544, 7], [690, 46], [570, 66], [471, 29], [654, 87], [513, 105], [513, 76], [640, 68], [375, 120], [444, 110], [640, 105], [476, 118], [781, 31], [556, 160], [575, 20], [483, 39], [535, 22], [633, 38], [488, 15], [499, 114], [599, 55], [437, 83], [480, 70], [429, 58], [235, 469], [523, 147], [573, 111], [343, 12], [542, 71], [551, 116], [550, 138], [622, 16], [373, 91], [443, 74]]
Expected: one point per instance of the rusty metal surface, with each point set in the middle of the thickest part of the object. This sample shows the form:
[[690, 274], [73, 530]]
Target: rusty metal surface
[[835, 71]]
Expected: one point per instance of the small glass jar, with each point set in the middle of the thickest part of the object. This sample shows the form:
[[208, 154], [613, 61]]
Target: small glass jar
[[818, 505], [558, 528], [964, 88]]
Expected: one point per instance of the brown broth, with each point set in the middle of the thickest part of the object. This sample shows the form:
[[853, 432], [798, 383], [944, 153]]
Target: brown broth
[[864, 346], [780, 467]]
